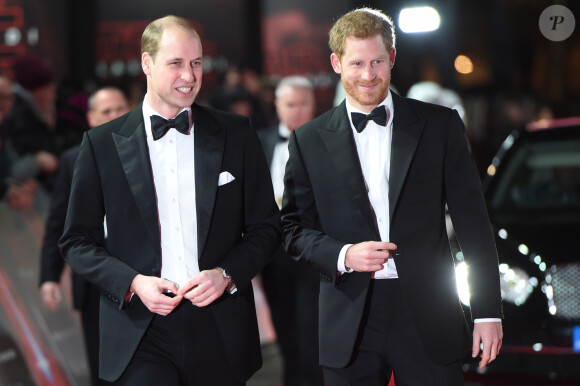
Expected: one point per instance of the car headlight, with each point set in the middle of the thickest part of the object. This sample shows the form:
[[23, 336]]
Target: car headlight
[[561, 290], [516, 285]]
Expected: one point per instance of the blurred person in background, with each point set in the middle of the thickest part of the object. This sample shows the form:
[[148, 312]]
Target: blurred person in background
[[17, 184], [365, 190], [292, 287], [32, 122], [105, 104], [242, 90]]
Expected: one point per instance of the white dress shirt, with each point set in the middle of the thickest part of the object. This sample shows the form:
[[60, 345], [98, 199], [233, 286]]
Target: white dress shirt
[[173, 166], [278, 164], [374, 151]]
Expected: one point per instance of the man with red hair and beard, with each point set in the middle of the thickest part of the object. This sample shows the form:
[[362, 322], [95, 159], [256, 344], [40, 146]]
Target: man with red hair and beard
[[365, 191]]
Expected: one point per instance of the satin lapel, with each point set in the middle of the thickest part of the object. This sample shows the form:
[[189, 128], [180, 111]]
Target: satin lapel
[[209, 148], [133, 151], [407, 130], [339, 142]]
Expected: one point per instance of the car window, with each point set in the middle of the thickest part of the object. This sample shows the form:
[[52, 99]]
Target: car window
[[541, 176]]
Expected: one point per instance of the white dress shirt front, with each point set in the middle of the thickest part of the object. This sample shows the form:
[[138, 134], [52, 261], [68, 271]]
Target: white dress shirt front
[[173, 166], [374, 151]]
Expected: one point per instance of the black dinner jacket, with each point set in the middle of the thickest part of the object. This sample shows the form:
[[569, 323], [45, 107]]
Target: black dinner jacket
[[326, 206], [238, 228]]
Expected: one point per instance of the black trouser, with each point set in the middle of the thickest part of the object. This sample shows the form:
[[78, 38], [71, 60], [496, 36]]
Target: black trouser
[[389, 342], [183, 348]]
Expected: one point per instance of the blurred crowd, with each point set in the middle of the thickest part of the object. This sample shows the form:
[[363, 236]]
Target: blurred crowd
[[41, 117]]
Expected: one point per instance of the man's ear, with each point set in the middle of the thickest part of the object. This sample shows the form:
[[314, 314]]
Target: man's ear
[[146, 62], [335, 61], [393, 54]]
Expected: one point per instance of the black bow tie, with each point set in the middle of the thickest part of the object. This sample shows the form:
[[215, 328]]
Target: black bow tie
[[160, 126], [379, 115]]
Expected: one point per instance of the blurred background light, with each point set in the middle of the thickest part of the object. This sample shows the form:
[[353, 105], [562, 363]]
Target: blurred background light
[[419, 19], [463, 64]]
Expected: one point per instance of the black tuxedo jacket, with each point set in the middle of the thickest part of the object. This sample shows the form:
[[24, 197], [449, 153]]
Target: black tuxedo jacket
[[238, 228], [326, 206]]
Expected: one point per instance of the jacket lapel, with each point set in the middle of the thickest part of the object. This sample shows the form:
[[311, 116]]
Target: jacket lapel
[[339, 141], [131, 143], [209, 148], [407, 130]]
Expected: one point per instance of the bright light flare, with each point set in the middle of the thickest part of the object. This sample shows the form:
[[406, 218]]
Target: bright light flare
[[462, 284], [419, 19]]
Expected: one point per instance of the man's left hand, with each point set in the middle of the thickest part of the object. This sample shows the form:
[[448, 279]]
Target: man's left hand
[[205, 287], [489, 334]]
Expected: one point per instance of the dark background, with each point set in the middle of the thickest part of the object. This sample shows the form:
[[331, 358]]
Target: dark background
[[517, 71], [83, 40]]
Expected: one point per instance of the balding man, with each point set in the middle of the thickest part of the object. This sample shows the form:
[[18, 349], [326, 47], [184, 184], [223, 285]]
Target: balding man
[[292, 287]]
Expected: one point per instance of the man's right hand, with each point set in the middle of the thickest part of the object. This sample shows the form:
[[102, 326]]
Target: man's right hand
[[150, 290], [368, 256]]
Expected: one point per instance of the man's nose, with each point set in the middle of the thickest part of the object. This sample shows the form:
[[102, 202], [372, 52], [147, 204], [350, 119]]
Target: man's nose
[[368, 72], [188, 74]]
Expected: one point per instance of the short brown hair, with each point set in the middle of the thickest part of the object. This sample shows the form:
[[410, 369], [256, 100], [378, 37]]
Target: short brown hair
[[154, 31], [361, 23]]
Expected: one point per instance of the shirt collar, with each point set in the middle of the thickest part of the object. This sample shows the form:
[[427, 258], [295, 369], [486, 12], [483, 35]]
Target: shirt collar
[[148, 111], [388, 102], [283, 130]]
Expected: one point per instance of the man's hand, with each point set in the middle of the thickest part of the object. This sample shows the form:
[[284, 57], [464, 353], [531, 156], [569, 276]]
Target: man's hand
[[47, 162], [489, 334], [51, 294], [150, 291], [205, 287], [368, 256]]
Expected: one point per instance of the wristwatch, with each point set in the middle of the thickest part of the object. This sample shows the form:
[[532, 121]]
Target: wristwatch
[[231, 287]]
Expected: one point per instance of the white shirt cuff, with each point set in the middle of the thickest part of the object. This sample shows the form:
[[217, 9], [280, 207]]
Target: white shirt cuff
[[483, 320], [340, 267]]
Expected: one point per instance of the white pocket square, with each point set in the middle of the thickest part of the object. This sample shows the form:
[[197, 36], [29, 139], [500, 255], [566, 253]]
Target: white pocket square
[[225, 178]]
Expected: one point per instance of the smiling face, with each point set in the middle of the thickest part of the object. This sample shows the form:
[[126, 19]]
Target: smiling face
[[174, 74], [365, 71]]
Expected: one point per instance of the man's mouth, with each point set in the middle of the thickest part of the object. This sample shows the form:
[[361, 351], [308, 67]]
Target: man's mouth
[[184, 90], [368, 85]]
